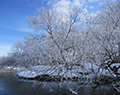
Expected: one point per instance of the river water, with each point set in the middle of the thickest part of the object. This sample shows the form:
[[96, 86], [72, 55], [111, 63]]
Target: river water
[[11, 85]]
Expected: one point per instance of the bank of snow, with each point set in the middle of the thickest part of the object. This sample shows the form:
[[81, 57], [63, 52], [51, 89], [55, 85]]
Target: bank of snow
[[61, 71], [75, 72]]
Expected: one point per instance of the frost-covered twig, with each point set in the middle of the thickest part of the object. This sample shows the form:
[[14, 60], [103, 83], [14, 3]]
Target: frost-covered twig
[[74, 92], [116, 87]]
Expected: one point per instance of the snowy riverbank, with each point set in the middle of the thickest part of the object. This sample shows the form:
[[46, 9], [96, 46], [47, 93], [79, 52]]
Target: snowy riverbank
[[50, 73], [83, 75], [54, 72]]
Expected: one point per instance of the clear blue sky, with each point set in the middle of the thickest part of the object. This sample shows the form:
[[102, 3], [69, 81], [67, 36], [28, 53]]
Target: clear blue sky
[[13, 15]]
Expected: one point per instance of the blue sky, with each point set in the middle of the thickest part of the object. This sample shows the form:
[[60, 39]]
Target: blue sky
[[13, 15]]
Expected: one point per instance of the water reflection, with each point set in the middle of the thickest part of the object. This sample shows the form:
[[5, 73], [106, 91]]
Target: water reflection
[[10, 85]]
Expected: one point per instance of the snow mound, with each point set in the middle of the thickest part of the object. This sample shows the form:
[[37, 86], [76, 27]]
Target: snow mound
[[53, 71], [49, 70], [27, 74]]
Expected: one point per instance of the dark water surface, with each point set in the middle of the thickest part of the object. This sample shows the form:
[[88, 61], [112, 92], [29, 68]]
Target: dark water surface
[[11, 85]]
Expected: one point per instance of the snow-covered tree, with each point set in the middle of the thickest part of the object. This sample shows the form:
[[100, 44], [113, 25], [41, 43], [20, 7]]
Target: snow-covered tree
[[107, 33], [63, 32], [73, 39]]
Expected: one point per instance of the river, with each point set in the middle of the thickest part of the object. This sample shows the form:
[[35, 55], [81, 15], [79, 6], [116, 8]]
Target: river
[[11, 85]]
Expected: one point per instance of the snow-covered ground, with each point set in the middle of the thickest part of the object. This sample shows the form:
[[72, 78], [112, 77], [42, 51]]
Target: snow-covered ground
[[48, 70], [61, 70], [54, 71], [27, 74]]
